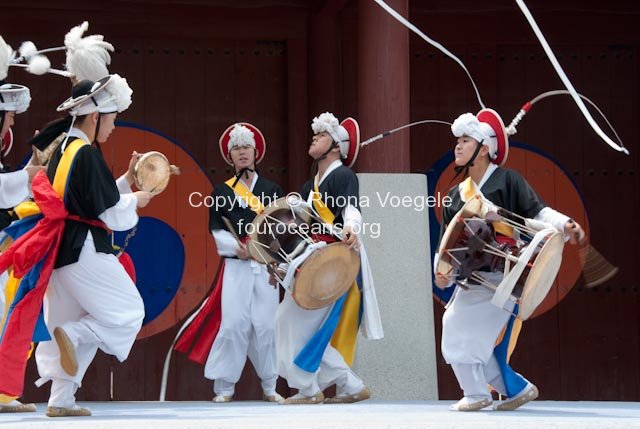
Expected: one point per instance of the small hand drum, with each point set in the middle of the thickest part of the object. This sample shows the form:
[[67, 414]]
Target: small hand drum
[[152, 172]]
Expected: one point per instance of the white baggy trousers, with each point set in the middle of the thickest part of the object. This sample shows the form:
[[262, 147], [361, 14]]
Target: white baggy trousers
[[249, 306], [295, 326], [97, 304]]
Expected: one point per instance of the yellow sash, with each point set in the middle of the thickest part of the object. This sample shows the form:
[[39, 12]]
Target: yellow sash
[[29, 208], [247, 196], [346, 333], [468, 192], [324, 212]]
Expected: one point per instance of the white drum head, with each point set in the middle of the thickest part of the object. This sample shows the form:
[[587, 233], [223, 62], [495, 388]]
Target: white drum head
[[541, 276]]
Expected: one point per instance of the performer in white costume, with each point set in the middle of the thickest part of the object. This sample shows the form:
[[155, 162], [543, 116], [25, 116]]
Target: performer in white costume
[[242, 301], [472, 325], [14, 99], [316, 348], [91, 301]]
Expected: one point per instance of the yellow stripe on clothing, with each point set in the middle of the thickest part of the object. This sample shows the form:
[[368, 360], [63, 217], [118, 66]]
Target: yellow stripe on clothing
[[346, 334], [324, 212], [64, 166], [247, 196], [468, 191], [29, 208], [513, 340], [26, 209]]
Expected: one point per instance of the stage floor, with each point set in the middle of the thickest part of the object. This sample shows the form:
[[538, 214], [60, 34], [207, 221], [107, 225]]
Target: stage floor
[[369, 415]]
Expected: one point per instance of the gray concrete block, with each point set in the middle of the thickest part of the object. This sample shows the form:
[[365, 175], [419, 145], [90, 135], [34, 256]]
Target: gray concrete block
[[402, 366]]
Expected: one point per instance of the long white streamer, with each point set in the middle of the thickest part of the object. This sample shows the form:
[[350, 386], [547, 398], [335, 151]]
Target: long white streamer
[[565, 80], [432, 42]]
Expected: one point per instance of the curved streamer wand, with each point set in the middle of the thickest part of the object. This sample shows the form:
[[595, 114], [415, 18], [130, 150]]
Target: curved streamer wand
[[388, 133]]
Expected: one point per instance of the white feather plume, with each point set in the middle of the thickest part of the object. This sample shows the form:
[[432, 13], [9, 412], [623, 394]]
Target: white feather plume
[[73, 37], [27, 49], [120, 91], [87, 57], [326, 122], [6, 55], [38, 64], [241, 136], [465, 125]]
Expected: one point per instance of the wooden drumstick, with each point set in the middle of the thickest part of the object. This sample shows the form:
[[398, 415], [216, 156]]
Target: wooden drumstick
[[232, 230]]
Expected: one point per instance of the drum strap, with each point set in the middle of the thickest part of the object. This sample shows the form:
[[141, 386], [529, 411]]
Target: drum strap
[[468, 191], [245, 194], [324, 212]]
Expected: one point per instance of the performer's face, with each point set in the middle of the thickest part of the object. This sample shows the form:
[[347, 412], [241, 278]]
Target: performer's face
[[464, 149], [242, 157], [8, 123], [107, 125], [320, 144]]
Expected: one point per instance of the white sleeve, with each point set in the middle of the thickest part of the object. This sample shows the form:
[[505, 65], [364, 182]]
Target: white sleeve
[[123, 185], [123, 215], [225, 242], [352, 218], [14, 188], [555, 218]]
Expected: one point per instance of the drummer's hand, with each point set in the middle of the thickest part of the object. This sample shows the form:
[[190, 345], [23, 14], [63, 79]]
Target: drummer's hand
[[174, 170], [441, 281], [243, 252], [135, 156], [272, 281], [32, 170], [575, 232], [350, 238], [143, 198]]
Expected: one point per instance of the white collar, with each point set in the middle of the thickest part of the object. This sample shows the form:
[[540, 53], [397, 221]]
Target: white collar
[[488, 172], [76, 132], [335, 164], [253, 183]]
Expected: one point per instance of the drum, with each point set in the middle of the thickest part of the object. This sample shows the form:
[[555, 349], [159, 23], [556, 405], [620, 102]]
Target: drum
[[325, 276], [317, 274], [280, 233], [152, 172], [529, 257]]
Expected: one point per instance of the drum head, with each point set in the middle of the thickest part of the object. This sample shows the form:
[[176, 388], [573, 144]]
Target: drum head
[[472, 208], [325, 276], [542, 275], [152, 172]]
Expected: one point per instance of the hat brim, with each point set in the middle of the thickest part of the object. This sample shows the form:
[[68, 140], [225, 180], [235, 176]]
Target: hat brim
[[491, 117], [71, 102], [261, 143], [12, 87], [353, 129]]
